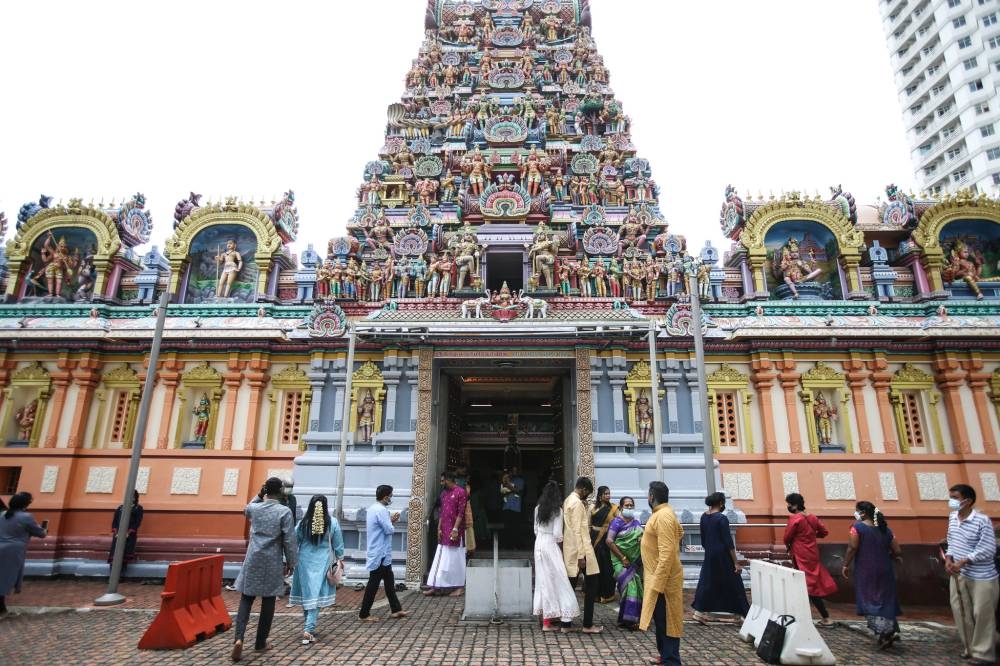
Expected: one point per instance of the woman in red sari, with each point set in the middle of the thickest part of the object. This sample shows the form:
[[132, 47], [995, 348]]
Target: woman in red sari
[[800, 539]]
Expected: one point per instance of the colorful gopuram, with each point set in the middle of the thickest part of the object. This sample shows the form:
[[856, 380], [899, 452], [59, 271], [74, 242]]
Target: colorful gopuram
[[490, 306]]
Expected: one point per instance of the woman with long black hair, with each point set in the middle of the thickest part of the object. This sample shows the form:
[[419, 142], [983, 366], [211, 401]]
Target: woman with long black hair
[[554, 598], [321, 546], [872, 548], [17, 526], [601, 515]]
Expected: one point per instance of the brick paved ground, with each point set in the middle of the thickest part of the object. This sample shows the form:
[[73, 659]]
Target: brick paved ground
[[433, 634]]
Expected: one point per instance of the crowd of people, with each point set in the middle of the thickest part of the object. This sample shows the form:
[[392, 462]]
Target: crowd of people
[[602, 544]]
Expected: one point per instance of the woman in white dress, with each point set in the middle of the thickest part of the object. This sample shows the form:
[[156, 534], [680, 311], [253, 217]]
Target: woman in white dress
[[554, 597]]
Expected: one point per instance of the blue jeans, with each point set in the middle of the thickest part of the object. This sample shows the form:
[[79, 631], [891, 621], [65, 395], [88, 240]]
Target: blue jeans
[[668, 647], [311, 616]]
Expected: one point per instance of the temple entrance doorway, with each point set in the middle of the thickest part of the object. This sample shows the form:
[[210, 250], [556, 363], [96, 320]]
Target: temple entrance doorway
[[507, 430]]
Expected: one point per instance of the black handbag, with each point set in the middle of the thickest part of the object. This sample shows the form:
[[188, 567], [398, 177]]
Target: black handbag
[[773, 639]]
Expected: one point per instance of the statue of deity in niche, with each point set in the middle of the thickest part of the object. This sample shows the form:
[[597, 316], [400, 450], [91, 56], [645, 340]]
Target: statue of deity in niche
[[231, 262], [825, 414], [467, 254], [25, 418], [542, 254], [643, 418], [201, 412], [59, 264], [793, 269], [366, 417], [964, 265]]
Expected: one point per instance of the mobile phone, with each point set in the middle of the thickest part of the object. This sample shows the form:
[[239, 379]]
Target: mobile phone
[[45, 524]]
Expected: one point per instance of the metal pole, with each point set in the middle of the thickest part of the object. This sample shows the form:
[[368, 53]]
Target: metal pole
[[112, 597], [654, 399], [699, 361], [345, 419]]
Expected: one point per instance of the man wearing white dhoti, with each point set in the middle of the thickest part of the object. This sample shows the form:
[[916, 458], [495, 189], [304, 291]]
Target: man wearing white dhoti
[[448, 570]]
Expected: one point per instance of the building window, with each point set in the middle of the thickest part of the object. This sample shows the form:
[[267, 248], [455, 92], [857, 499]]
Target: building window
[[970, 63], [996, 179], [938, 89], [994, 42], [954, 3], [911, 419], [959, 22], [931, 169], [119, 418], [948, 131], [993, 154], [982, 107], [990, 19], [976, 85], [965, 42], [725, 414], [943, 110], [954, 152], [9, 478], [987, 130], [291, 419], [957, 176]]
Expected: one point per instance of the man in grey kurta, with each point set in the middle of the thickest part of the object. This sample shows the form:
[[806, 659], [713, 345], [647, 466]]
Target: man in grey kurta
[[272, 533]]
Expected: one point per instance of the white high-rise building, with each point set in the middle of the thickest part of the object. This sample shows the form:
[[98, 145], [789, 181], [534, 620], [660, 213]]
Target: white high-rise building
[[946, 59]]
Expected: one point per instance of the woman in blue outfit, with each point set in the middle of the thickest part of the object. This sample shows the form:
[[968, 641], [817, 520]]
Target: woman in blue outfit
[[720, 585], [871, 548], [321, 545]]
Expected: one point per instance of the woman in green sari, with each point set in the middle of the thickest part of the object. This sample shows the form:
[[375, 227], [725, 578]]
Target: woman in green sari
[[624, 537]]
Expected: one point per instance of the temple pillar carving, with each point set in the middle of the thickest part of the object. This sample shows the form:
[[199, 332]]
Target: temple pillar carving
[[789, 379], [978, 381], [763, 378], [87, 377], [617, 379], [421, 449], [232, 380], [949, 378], [881, 380], [257, 380], [61, 379], [857, 380]]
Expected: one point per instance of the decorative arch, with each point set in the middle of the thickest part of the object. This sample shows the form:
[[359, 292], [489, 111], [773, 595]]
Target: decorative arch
[[850, 240], [178, 246], [76, 214], [30, 384], [960, 206]]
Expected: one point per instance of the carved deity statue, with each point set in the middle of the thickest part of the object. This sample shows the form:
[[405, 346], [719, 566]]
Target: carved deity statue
[[202, 412], [426, 188], [964, 265], [825, 414], [543, 255], [704, 283], [793, 269], [467, 254], [366, 417], [231, 262], [643, 418], [25, 418], [59, 264]]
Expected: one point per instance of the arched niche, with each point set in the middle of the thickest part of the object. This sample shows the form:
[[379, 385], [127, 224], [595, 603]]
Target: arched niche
[[793, 212], [944, 228], [201, 236], [69, 244]]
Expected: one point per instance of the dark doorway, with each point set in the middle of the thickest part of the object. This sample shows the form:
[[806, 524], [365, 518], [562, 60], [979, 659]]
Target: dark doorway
[[505, 267]]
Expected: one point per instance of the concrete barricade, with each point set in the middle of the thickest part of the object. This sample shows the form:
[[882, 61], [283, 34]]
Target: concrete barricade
[[778, 590]]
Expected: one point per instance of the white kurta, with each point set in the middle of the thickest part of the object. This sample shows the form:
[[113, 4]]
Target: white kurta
[[554, 597], [448, 569]]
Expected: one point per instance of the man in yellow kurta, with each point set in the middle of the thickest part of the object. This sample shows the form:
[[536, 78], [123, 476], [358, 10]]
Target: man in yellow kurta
[[663, 580], [578, 551]]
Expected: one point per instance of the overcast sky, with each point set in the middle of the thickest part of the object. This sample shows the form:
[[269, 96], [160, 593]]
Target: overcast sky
[[106, 98]]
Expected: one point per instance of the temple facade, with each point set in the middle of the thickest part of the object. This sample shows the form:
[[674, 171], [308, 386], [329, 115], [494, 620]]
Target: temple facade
[[492, 305]]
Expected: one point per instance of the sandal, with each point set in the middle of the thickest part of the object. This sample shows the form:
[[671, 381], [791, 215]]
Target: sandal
[[307, 638]]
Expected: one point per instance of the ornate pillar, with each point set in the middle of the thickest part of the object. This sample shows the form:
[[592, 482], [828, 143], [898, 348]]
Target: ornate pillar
[[413, 372], [61, 379], [232, 381], [670, 380], [617, 378], [978, 381], [857, 380], [585, 464], [418, 485], [596, 374], [950, 377], [881, 381], [87, 378], [317, 381], [789, 379], [763, 379], [257, 379], [170, 377]]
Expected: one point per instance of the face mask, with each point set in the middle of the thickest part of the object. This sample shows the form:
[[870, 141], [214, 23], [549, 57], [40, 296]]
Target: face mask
[[388, 501], [628, 513], [954, 504], [287, 491], [857, 515], [791, 509]]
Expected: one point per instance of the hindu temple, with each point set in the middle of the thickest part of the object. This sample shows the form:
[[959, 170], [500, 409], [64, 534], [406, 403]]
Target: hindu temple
[[508, 294]]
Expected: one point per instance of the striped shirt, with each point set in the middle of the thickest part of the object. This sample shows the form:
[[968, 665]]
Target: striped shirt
[[973, 539]]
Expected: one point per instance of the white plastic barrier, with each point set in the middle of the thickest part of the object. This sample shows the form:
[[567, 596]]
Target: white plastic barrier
[[778, 590]]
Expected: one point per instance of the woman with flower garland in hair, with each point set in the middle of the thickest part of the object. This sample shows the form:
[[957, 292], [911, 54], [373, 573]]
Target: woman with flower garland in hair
[[872, 548], [321, 546]]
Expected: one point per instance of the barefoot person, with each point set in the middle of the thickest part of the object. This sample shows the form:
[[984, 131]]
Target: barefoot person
[[663, 593], [272, 534], [381, 526], [553, 598], [448, 570], [578, 549]]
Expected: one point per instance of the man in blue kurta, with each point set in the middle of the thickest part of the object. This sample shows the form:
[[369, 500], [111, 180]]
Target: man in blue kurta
[[380, 527]]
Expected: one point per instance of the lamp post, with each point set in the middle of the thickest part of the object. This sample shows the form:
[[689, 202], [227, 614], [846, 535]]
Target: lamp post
[[699, 362], [345, 419], [112, 597]]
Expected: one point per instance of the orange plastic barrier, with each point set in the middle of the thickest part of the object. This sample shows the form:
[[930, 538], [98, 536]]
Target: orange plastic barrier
[[191, 607]]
